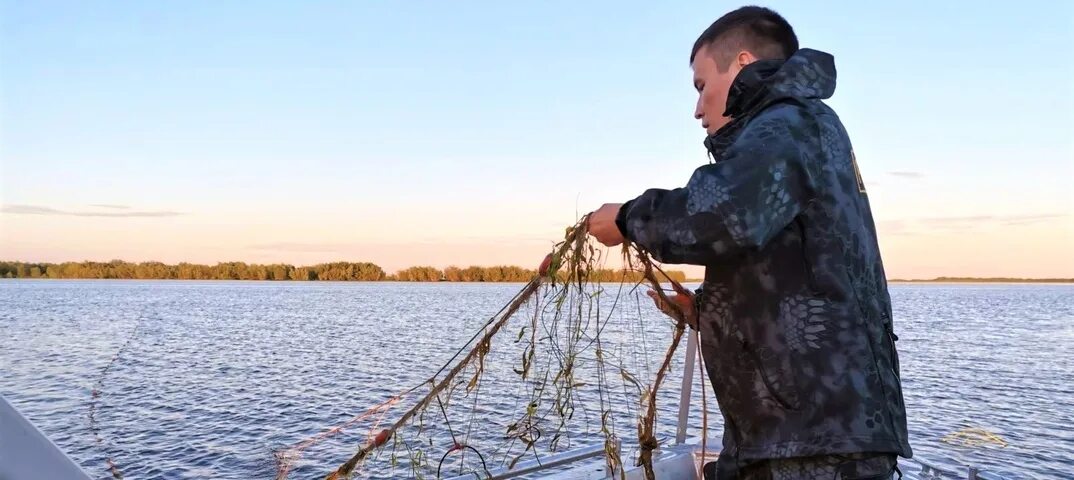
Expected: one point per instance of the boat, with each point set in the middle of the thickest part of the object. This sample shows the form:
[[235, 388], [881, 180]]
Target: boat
[[27, 453]]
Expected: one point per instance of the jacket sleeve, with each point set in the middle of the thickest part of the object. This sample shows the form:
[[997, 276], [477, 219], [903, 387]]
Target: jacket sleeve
[[738, 204]]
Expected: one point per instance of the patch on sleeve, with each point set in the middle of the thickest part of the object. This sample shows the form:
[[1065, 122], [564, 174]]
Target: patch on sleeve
[[857, 172]]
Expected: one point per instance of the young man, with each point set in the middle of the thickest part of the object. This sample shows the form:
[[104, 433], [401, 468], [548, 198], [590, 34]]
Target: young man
[[794, 313]]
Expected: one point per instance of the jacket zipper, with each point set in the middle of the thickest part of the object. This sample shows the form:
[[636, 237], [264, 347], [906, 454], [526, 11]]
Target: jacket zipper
[[699, 305], [807, 269], [891, 337]]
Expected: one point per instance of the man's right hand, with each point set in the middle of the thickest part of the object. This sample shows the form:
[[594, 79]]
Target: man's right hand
[[685, 301]]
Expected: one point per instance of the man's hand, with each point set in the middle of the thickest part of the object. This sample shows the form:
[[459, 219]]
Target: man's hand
[[684, 300], [602, 225]]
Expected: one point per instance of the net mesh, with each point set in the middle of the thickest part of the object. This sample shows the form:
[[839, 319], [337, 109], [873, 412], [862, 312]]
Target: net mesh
[[565, 363]]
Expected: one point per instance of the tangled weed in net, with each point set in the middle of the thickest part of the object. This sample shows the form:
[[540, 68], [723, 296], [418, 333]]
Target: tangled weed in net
[[974, 437], [557, 367]]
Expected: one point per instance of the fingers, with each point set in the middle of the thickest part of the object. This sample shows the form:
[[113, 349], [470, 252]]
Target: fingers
[[653, 295], [684, 302], [660, 305], [678, 298]]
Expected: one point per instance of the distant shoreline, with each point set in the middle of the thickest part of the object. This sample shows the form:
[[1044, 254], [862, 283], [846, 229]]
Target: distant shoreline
[[361, 272], [281, 272]]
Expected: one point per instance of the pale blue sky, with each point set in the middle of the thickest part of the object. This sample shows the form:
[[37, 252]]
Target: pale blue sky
[[473, 132]]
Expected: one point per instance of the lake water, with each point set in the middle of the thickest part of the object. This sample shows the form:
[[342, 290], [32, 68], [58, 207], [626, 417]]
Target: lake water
[[212, 377]]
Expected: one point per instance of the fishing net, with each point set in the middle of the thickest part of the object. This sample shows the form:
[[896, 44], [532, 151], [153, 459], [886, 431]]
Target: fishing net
[[564, 364]]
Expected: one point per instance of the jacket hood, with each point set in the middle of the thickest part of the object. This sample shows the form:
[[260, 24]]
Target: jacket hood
[[808, 74]]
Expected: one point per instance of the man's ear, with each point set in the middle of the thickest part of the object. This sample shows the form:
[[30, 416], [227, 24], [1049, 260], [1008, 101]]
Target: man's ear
[[745, 58]]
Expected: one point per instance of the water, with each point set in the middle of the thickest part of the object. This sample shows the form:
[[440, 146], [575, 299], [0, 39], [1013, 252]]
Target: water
[[218, 375]]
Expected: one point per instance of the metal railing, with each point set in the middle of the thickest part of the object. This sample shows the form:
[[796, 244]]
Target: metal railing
[[687, 387]]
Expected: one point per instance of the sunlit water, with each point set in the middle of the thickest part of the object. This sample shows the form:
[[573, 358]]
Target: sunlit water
[[216, 376]]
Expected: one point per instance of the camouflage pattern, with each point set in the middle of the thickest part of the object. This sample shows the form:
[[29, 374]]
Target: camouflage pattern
[[795, 315], [854, 466]]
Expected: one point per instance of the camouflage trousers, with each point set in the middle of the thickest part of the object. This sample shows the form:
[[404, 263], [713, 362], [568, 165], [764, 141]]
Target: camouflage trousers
[[859, 466]]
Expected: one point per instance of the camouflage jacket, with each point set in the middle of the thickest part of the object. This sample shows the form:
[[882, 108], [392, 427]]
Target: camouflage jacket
[[795, 316]]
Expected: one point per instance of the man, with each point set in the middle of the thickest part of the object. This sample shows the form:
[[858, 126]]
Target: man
[[794, 313]]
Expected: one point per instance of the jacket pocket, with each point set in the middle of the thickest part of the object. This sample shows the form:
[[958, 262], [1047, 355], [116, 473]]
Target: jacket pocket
[[774, 379]]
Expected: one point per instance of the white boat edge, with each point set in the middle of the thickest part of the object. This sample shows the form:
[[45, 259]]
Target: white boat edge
[[27, 453]]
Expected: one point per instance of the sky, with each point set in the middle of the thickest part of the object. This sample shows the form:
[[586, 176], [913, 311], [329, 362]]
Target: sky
[[472, 133]]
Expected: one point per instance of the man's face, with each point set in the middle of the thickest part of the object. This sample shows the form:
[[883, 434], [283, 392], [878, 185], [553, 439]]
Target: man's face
[[712, 87]]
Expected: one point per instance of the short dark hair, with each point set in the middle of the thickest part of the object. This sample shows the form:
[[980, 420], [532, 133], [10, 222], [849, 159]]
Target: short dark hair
[[758, 30]]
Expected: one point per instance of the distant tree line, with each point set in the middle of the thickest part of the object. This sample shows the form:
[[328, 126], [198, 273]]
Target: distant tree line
[[335, 271]]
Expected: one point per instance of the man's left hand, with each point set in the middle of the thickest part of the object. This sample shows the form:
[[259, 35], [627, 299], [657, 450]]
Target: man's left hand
[[602, 225]]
